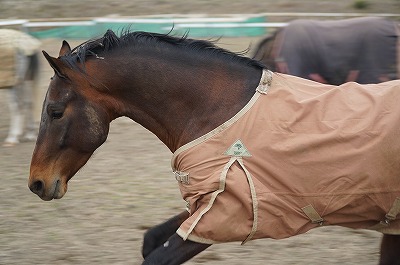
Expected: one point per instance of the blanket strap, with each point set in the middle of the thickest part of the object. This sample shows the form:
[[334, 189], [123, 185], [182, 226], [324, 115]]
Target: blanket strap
[[390, 216], [224, 172], [313, 214], [253, 199], [222, 182]]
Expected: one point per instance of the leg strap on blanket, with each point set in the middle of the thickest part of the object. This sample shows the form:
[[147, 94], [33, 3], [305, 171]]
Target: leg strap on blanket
[[253, 199], [390, 216], [222, 183]]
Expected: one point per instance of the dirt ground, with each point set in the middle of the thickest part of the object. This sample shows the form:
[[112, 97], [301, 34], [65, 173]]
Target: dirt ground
[[128, 185]]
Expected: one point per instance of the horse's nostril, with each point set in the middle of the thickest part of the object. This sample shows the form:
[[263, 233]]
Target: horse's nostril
[[37, 187]]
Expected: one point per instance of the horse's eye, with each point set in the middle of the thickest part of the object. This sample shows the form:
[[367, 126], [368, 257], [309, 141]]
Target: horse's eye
[[57, 114], [55, 111]]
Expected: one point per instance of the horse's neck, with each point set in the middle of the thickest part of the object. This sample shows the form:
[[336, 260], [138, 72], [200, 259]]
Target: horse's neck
[[180, 104]]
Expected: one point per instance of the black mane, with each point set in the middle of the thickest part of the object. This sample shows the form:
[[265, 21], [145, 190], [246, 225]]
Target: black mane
[[110, 41]]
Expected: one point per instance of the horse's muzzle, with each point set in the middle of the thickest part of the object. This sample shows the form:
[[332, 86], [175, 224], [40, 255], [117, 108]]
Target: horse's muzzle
[[54, 191]]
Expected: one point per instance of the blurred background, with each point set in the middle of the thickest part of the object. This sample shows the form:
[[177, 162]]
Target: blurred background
[[127, 186]]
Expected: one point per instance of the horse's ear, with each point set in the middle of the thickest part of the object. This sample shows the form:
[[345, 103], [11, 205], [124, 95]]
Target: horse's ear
[[56, 64], [65, 48]]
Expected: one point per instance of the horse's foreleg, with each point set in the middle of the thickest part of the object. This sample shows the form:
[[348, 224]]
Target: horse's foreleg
[[28, 110], [159, 234], [31, 93], [390, 250], [174, 251], [15, 118]]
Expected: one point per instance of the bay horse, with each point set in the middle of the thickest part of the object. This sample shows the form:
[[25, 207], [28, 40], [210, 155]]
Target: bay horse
[[364, 50], [19, 73], [187, 92]]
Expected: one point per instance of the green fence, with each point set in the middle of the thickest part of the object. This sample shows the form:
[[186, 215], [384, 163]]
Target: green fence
[[237, 28]]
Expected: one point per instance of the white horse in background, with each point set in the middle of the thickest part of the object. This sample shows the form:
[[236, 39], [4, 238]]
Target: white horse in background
[[19, 69]]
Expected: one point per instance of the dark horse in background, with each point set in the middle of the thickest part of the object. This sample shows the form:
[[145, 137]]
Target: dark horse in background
[[364, 50], [178, 88]]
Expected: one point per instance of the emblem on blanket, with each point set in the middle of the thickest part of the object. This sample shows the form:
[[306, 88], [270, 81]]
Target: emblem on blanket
[[237, 149]]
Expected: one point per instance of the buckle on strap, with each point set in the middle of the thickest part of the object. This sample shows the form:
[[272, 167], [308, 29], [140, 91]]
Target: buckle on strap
[[265, 82], [182, 177], [390, 216], [394, 210], [313, 215]]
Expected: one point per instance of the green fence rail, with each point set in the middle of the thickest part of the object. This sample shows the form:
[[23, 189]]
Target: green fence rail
[[236, 28]]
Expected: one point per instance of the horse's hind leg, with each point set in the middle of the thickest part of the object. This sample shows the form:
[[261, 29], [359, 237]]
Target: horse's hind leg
[[390, 250]]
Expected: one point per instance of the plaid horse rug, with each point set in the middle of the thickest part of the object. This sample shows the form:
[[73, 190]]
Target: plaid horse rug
[[13, 42], [299, 155]]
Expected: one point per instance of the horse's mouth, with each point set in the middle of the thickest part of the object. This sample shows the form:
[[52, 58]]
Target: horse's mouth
[[56, 194], [56, 191]]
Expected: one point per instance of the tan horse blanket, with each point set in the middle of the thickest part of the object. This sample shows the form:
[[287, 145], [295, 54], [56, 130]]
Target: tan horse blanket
[[298, 156], [11, 42]]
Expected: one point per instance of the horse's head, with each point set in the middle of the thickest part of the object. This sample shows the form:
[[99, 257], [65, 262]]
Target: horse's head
[[265, 51], [73, 124]]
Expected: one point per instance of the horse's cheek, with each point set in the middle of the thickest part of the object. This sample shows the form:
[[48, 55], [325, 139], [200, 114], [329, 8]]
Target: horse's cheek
[[97, 128]]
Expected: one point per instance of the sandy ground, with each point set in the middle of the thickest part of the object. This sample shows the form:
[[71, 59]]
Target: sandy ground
[[124, 189]]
